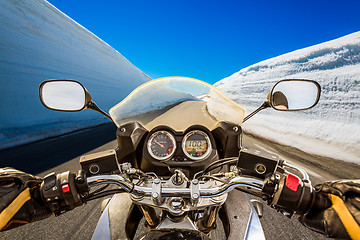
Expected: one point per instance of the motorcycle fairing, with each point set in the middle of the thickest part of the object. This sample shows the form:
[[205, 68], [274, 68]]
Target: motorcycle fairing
[[154, 98], [255, 230], [121, 217], [183, 115], [239, 217], [102, 230]]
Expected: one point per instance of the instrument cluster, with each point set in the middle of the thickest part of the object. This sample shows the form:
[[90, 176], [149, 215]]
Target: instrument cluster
[[165, 145]]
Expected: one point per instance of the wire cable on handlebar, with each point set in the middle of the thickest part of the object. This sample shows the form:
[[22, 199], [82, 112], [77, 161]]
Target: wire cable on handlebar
[[151, 173], [224, 181], [217, 165], [213, 178], [99, 190], [305, 176], [140, 181], [220, 163], [103, 194]]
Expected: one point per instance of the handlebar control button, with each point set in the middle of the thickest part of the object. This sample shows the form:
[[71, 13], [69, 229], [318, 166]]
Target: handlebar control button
[[65, 188], [292, 182], [50, 181]]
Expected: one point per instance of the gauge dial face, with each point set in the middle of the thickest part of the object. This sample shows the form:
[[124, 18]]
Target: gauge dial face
[[161, 145], [196, 145]]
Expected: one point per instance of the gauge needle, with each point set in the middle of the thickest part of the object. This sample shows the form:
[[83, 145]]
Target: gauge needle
[[159, 144]]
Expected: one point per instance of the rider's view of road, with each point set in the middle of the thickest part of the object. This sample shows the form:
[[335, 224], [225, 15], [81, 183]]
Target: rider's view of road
[[93, 146]]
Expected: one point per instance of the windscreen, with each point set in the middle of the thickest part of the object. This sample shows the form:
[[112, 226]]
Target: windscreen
[[166, 100]]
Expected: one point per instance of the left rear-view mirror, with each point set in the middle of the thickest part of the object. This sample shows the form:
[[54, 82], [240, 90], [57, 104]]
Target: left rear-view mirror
[[294, 95], [64, 95]]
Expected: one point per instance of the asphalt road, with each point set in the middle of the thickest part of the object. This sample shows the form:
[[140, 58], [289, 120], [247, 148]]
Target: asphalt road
[[63, 153]]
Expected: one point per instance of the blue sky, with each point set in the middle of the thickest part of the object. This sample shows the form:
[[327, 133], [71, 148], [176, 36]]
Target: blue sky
[[210, 40]]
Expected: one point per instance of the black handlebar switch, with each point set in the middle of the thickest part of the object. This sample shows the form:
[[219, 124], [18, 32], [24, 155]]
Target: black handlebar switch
[[61, 192], [293, 195], [50, 181]]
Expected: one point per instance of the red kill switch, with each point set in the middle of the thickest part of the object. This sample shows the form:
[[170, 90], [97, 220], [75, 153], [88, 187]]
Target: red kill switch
[[292, 182], [65, 188]]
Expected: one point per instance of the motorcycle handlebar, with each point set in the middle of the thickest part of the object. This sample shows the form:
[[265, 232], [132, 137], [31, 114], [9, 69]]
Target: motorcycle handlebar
[[63, 192], [248, 184], [289, 195]]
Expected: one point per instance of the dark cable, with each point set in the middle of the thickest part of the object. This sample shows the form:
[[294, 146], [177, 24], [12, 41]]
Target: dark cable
[[103, 194], [214, 163], [99, 190], [210, 168], [212, 177]]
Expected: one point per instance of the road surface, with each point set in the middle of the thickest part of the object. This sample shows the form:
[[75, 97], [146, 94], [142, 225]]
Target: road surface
[[63, 153]]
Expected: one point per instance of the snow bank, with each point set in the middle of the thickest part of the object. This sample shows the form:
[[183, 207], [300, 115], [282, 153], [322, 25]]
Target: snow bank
[[39, 42], [332, 128]]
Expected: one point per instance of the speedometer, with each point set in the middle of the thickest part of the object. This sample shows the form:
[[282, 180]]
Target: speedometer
[[196, 145], [161, 145]]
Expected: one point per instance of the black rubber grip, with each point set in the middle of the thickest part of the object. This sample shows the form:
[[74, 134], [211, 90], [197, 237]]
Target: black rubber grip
[[320, 202], [295, 196]]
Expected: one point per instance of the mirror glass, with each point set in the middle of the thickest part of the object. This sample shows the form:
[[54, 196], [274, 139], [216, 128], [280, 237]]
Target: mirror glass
[[63, 95], [295, 95]]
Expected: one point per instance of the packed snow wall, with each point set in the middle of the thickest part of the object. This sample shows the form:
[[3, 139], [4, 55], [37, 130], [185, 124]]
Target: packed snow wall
[[39, 42], [332, 128]]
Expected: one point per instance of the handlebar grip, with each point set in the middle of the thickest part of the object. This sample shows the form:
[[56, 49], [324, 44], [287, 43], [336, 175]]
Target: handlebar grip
[[293, 195], [321, 202]]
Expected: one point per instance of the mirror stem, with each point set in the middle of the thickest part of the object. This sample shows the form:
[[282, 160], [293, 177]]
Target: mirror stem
[[262, 107], [93, 106]]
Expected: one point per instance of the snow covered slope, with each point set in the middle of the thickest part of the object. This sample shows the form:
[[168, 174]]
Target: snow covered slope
[[332, 128], [38, 42]]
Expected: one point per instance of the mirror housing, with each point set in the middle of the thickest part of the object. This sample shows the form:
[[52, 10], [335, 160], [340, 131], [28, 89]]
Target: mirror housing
[[294, 95], [291, 95], [64, 95], [67, 96]]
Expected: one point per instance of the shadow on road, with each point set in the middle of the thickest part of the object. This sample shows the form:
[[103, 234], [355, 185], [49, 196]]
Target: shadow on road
[[38, 157]]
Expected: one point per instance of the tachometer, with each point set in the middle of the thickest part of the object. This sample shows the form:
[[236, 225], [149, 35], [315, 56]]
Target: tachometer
[[196, 145], [161, 145]]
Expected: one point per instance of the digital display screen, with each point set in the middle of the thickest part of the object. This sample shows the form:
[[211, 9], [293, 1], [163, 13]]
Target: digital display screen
[[196, 145], [196, 148]]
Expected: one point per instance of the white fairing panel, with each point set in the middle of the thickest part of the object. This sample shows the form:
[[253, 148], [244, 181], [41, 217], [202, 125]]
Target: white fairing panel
[[255, 230], [102, 230]]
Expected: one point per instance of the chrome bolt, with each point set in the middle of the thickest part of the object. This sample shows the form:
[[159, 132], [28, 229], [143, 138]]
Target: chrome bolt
[[233, 168], [195, 181], [176, 203], [195, 196], [155, 195], [157, 181]]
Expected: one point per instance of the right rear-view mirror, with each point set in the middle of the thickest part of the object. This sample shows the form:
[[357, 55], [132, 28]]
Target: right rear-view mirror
[[294, 95]]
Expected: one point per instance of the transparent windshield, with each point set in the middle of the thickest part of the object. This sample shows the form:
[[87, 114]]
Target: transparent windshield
[[177, 102]]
